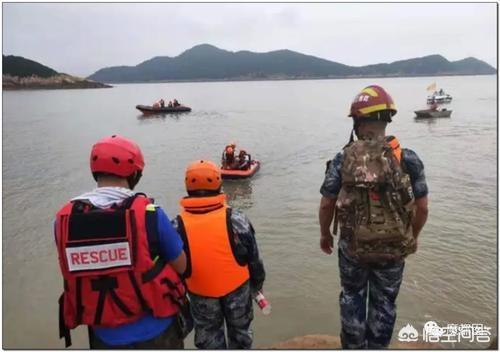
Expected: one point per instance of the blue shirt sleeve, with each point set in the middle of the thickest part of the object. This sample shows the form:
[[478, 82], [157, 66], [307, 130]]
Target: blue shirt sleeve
[[333, 180], [170, 241], [415, 168]]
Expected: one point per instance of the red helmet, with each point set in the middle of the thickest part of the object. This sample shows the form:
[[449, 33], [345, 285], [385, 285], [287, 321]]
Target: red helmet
[[116, 155], [370, 100]]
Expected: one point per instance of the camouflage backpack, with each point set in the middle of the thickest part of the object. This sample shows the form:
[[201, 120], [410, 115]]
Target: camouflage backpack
[[375, 205]]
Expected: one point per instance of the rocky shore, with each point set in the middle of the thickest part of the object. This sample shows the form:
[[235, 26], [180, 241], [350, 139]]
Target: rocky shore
[[59, 81]]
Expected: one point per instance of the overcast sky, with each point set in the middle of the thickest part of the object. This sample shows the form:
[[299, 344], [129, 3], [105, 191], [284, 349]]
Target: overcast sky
[[80, 38]]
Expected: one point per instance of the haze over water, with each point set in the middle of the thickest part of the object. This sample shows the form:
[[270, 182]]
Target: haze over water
[[293, 127]]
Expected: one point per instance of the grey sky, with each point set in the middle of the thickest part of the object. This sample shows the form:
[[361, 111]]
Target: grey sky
[[80, 38]]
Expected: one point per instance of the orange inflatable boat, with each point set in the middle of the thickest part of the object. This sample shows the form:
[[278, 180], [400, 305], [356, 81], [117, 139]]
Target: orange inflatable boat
[[236, 174]]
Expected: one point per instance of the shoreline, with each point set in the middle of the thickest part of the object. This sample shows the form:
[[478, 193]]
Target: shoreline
[[246, 79], [60, 81]]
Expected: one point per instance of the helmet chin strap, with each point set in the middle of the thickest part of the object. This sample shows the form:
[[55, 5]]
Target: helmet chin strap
[[351, 139], [353, 131]]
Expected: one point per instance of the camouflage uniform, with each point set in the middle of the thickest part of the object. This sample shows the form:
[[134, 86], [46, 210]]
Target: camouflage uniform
[[372, 328], [209, 315], [235, 308]]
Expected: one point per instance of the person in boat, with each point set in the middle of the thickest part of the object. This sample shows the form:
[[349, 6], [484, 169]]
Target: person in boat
[[243, 160], [176, 103], [225, 269], [162, 103], [228, 157], [371, 274], [441, 92], [170, 105], [123, 301]]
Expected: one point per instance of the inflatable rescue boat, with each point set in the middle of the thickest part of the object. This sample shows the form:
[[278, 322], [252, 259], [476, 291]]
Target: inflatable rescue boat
[[236, 174]]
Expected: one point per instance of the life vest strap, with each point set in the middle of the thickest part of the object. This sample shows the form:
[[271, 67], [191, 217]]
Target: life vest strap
[[63, 329], [104, 285], [79, 306], [181, 229], [138, 293], [171, 285], [152, 232], [335, 221], [173, 299], [154, 271]]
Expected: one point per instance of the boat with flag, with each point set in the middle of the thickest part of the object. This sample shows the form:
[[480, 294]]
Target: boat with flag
[[438, 96]]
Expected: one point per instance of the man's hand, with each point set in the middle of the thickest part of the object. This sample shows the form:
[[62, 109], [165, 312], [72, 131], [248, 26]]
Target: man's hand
[[326, 243], [326, 208]]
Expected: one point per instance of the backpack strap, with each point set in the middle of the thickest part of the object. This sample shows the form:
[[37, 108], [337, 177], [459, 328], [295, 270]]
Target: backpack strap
[[153, 237], [152, 231], [335, 221], [181, 229]]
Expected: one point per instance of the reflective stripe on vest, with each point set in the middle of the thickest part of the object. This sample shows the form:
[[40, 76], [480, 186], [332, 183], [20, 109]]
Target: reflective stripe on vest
[[214, 269]]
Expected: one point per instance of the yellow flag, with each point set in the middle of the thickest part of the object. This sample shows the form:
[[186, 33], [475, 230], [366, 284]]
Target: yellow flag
[[432, 87]]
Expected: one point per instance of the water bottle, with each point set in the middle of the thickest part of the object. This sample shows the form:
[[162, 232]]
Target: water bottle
[[263, 303]]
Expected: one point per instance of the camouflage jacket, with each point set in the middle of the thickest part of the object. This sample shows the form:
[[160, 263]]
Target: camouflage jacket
[[413, 165]]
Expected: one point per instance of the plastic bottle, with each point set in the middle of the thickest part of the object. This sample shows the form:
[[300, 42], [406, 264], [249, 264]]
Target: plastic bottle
[[263, 303]]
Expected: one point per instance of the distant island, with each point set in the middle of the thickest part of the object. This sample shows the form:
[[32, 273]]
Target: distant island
[[206, 63], [21, 73]]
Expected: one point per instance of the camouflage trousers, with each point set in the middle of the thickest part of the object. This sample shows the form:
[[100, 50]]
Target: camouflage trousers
[[210, 314], [372, 328]]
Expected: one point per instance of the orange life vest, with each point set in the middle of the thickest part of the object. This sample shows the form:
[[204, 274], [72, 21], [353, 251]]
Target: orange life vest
[[111, 268], [396, 147], [213, 268]]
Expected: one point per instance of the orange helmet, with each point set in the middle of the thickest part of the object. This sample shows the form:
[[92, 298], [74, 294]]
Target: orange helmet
[[203, 175], [372, 99]]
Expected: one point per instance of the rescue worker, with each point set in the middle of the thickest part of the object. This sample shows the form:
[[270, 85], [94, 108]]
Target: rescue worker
[[120, 258], [380, 208], [176, 103], [224, 268], [243, 160], [229, 161], [162, 103], [170, 105]]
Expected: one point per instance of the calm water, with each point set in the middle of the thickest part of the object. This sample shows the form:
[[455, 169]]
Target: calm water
[[293, 127]]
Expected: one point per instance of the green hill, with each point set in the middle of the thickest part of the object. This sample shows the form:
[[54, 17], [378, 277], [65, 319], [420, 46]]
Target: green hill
[[207, 62], [21, 73], [21, 67]]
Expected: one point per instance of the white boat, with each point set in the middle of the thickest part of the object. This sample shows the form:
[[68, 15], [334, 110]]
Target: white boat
[[439, 98]]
